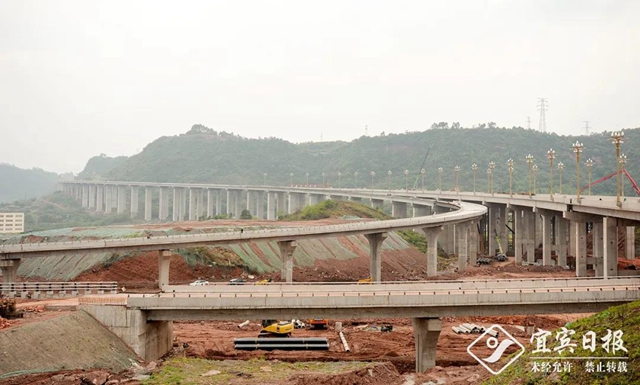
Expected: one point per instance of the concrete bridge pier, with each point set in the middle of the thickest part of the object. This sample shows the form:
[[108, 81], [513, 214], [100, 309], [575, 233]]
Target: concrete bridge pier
[[581, 249], [610, 246], [561, 240], [134, 202], [251, 202], [175, 213], [164, 263], [108, 198], [99, 197], [529, 221], [375, 253], [281, 204], [260, 204], [148, 199], [218, 202], [85, 195], [150, 340], [163, 200], [92, 196], [598, 248], [473, 242], [271, 203], [398, 210], [518, 244], [210, 204], [122, 199], [377, 204], [463, 245], [426, 332], [200, 207], [9, 268], [286, 255], [432, 234], [230, 203], [545, 217], [630, 242]]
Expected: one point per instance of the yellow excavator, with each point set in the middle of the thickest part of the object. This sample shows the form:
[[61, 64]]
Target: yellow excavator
[[365, 281], [274, 328]]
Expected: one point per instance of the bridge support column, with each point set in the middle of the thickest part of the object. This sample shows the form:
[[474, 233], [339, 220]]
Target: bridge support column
[[193, 204], [286, 255], [163, 198], [175, 211], [210, 203], [572, 239], [260, 205], [375, 254], [237, 201], [229, 206], [218, 202], [293, 203], [9, 268], [134, 201], [546, 238], [529, 219], [493, 218], [314, 199], [598, 248], [426, 332], [377, 204], [281, 207], [473, 242], [610, 246], [251, 202], [200, 208], [518, 244], [85, 195], [581, 249], [122, 199], [92, 196], [432, 234], [148, 339], [463, 245], [182, 213], [398, 210], [107, 199], [630, 242], [99, 198], [561, 240], [148, 201], [164, 263], [271, 209], [502, 229]]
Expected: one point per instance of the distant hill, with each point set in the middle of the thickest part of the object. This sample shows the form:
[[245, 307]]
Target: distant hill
[[208, 156], [100, 165], [18, 183]]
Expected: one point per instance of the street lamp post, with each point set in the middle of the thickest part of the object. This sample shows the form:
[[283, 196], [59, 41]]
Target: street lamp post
[[510, 164], [389, 179], [440, 171], [560, 168], [474, 167], [457, 170], [492, 166], [535, 174], [529, 159], [422, 172], [265, 178], [373, 174], [307, 174], [489, 181], [617, 138], [339, 178], [622, 161], [291, 176], [324, 174], [551, 154], [406, 180], [355, 177], [589, 164], [577, 149]]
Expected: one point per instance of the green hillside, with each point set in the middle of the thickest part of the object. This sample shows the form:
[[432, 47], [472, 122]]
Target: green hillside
[[208, 156], [100, 165], [335, 209], [625, 318], [19, 183]]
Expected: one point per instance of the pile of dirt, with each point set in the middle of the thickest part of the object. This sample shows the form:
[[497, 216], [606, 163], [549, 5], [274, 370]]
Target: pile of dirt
[[55, 344], [376, 374], [5, 323]]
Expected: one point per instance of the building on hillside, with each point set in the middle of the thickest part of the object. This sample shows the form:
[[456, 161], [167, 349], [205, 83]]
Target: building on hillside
[[11, 222]]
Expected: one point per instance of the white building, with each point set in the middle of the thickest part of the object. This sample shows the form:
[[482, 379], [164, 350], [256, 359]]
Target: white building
[[11, 222]]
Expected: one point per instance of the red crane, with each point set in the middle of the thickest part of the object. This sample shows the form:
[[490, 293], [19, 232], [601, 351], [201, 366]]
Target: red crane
[[604, 178]]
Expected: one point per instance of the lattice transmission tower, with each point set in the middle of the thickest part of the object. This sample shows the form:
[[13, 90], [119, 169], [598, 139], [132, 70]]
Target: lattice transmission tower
[[543, 104]]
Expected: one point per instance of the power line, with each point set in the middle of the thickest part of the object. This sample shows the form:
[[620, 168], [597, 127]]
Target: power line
[[528, 122], [586, 126], [543, 104]]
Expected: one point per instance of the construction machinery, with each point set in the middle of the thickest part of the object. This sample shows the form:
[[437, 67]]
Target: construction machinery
[[365, 281], [501, 255], [277, 329], [318, 323]]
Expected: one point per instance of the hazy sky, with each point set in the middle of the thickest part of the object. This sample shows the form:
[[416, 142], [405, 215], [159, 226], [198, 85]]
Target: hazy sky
[[80, 78]]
